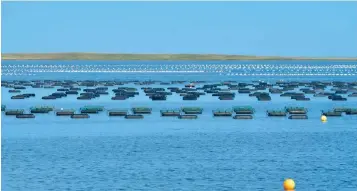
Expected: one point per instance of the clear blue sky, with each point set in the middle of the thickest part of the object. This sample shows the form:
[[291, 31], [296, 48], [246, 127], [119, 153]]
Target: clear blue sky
[[250, 28]]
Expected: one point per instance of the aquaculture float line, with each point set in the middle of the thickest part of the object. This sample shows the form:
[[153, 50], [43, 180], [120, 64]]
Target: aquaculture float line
[[189, 91], [236, 112]]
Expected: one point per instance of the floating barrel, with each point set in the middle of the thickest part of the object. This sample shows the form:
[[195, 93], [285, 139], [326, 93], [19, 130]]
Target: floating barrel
[[189, 89], [332, 113], [135, 116], [244, 91], [296, 110], [222, 113], [156, 97], [19, 87], [341, 109], [256, 94], [128, 94], [337, 98], [71, 92], [320, 95], [41, 109], [234, 88], [117, 112], [62, 89], [275, 91], [89, 94], [14, 91], [243, 110], [308, 91], [351, 112], [164, 93], [290, 94], [18, 97], [219, 94], [264, 98], [65, 113], [84, 98], [302, 99], [173, 89], [101, 88], [298, 117], [328, 94], [275, 113], [80, 116], [75, 89], [187, 116], [341, 91], [211, 91], [170, 113], [243, 117], [49, 97], [141, 110], [297, 96], [36, 86], [24, 116], [120, 97], [192, 110], [89, 90], [27, 95], [189, 97], [102, 92], [92, 111], [14, 112], [226, 97]]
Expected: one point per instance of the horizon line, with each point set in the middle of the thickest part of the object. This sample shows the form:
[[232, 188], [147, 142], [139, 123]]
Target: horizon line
[[154, 56]]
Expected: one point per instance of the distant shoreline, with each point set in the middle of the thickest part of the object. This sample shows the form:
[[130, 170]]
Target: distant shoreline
[[158, 57]]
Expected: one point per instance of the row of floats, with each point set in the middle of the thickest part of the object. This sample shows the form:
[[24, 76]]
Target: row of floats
[[233, 68], [239, 112], [335, 91]]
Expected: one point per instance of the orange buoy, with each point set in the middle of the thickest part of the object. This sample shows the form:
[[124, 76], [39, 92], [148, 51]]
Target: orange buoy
[[289, 185]]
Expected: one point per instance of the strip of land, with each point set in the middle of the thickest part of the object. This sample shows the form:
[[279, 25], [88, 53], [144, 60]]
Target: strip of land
[[103, 56]]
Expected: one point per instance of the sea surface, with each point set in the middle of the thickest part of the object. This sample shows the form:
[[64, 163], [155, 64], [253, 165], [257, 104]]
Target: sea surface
[[155, 153]]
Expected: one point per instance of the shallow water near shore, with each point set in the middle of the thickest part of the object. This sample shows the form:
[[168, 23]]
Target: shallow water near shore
[[156, 153]]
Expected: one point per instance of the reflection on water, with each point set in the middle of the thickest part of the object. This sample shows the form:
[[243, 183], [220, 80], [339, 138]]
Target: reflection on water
[[213, 160]]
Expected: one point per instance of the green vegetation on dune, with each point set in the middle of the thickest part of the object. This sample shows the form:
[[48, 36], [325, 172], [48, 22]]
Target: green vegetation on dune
[[103, 56]]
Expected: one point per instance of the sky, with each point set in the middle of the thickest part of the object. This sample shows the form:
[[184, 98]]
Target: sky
[[326, 29]]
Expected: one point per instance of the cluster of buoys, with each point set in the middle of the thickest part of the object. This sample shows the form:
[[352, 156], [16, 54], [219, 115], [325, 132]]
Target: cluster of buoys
[[237, 112], [189, 91]]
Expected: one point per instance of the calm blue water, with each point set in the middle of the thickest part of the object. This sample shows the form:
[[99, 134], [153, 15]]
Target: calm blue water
[[102, 153]]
